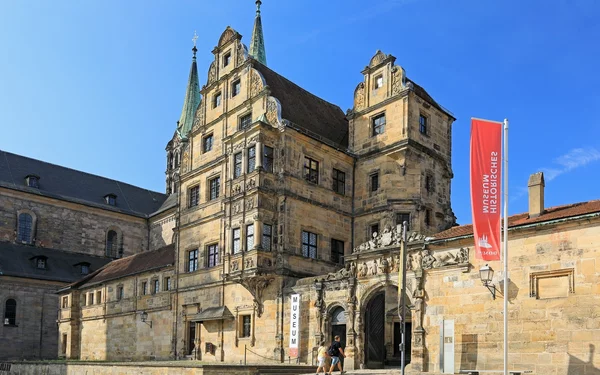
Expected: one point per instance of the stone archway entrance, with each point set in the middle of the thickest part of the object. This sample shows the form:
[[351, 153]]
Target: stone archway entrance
[[338, 325], [375, 332]]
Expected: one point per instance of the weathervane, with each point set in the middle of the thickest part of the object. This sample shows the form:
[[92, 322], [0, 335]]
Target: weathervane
[[195, 38]]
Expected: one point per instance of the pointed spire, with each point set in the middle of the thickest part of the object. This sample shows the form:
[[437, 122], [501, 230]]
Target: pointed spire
[[257, 44], [192, 97]]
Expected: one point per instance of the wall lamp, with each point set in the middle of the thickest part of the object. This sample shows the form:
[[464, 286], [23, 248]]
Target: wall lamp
[[486, 273], [144, 318]]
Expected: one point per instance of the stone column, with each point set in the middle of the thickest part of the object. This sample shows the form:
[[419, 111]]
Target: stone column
[[258, 155], [231, 164], [244, 160], [257, 235]]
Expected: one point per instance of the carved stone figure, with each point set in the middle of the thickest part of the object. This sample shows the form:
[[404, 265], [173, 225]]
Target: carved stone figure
[[250, 184], [428, 260], [409, 262], [463, 255], [249, 263], [234, 265], [363, 270], [212, 73], [383, 266], [272, 112], [359, 96], [418, 297], [417, 261], [374, 268], [256, 83]]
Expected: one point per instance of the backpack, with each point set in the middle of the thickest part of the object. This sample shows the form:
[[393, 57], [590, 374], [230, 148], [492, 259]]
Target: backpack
[[331, 351]]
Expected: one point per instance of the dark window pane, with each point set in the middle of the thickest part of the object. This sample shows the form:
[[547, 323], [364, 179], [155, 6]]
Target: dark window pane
[[215, 184], [337, 251], [246, 326], [112, 244], [10, 312], [249, 237], [309, 245], [422, 124], [267, 237], [25, 228], [245, 121], [268, 158], [213, 255], [375, 182], [192, 260], [311, 170], [378, 125], [207, 143], [339, 181], [251, 159], [236, 88], [237, 168], [236, 241], [194, 196], [401, 218]]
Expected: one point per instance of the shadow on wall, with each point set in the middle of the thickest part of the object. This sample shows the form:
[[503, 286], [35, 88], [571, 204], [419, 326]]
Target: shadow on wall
[[513, 290], [469, 354], [577, 366]]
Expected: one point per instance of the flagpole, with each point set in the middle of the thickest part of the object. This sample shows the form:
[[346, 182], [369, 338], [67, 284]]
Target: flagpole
[[505, 245], [402, 301]]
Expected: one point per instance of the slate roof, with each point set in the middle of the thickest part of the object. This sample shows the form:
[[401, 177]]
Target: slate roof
[[132, 265], [76, 186], [306, 110], [18, 260], [170, 202], [420, 91], [514, 221]]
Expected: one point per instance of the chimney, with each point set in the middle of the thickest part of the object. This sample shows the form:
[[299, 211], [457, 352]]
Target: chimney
[[536, 194]]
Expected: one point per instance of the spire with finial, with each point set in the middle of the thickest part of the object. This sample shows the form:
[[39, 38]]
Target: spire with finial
[[192, 97], [257, 44]]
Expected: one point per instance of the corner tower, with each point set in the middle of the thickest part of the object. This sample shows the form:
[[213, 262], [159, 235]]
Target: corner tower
[[402, 138], [178, 144]]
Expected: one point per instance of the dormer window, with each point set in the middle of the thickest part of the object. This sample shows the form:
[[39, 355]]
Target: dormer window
[[33, 181], [85, 269], [110, 199], [40, 262], [378, 81], [227, 59]]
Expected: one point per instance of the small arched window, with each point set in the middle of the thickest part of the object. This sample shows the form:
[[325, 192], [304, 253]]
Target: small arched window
[[111, 244], [338, 316], [10, 313], [25, 228]]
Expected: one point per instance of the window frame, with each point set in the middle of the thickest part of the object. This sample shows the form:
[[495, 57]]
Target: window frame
[[90, 299], [267, 238], [378, 128], [41, 263], [335, 174], [423, 124], [371, 231], [194, 196], [120, 292], [245, 121], [212, 255], [192, 256], [308, 246], [207, 145], [155, 286], [226, 59], [99, 297], [250, 237], [399, 215], [374, 182], [25, 228], [337, 256], [238, 164], [10, 312], [236, 240], [427, 218], [113, 250], [64, 304], [214, 188], [251, 159], [267, 160], [245, 327], [377, 80], [33, 182], [217, 99], [311, 174], [236, 84]]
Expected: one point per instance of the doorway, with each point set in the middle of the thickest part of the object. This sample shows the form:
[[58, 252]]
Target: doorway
[[398, 341], [374, 332], [338, 327]]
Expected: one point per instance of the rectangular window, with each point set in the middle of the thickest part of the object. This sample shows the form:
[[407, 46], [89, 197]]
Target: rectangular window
[[339, 181], [217, 100], [119, 293], [65, 302], [207, 143], [373, 229], [227, 59], [428, 217], [311, 170], [237, 165], [167, 283], [401, 218], [193, 260], [309, 244], [251, 159], [429, 185], [337, 251], [84, 300], [378, 81], [144, 288], [194, 194], [246, 326], [85, 269], [215, 185], [213, 255], [422, 124], [267, 237], [156, 286], [98, 297], [245, 121], [268, 158], [378, 124], [249, 237], [374, 179], [236, 87], [63, 345], [91, 299], [236, 241]]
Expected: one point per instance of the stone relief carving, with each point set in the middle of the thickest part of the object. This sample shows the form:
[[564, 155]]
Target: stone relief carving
[[185, 161], [212, 73], [398, 79], [250, 184], [249, 204], [237, 208], [235, 266], [363, 270], [256, 286], [377, 58], [256, 83], [359, 97], [237, 189], [199, 117], [418, 297], [390, 236], [273, 112], [443, 258], [241, 52], [374, 268], [249, 263], [348, 271], [227, 35]]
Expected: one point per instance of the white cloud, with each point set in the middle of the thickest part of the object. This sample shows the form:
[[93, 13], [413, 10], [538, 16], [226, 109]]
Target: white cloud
[[576, 158]]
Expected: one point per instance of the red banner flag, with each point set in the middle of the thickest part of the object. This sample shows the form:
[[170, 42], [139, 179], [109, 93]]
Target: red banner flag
[[486, 161]]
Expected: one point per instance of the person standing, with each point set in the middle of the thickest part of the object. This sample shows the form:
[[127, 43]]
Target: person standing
[[335, 351], [322, 357]]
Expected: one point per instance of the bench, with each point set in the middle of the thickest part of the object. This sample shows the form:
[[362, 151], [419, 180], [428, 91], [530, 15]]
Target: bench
[[511, 372]]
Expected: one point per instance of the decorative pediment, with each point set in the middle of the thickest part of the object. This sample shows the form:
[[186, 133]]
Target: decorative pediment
[[273, 113], [389, 237], [359, 97], [257, 82], [212, 73], [227, 36], [398, 79], [377, 58], [241, 53], [199, 116]]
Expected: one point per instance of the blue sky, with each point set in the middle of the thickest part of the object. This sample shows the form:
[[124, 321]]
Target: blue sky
[[99, 85]]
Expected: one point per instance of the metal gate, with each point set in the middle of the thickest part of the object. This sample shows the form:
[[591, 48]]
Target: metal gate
[[374, 332]]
